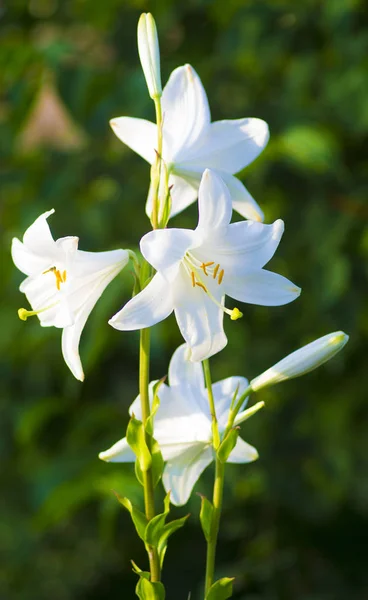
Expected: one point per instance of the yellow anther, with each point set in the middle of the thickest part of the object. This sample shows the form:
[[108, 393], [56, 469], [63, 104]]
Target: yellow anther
[[221, 276], [193, 279], [215, 271], [205, 265], [235, 314], [60, 277], [201, 286]]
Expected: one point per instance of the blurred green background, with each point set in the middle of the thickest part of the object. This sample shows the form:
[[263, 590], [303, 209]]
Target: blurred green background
[[295, 522]]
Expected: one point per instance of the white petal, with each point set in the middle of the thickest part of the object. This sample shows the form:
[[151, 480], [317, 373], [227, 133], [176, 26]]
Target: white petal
[[200, 320], [214, 202], [182, 371], [223, 392], [165, 248], [261, 287], [42, 294], [88, 263], [242, 453], [151, 305], [180, 418], [86, 297], [119, 452], [26, 261], [243, 202], [230, 145], [183, 192], [38, 236], [181, 474], [140, 135], [242, 246], [185, 112]]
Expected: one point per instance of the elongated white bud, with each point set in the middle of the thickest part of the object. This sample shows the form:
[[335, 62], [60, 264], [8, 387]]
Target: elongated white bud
[[149, 54], [303, 360]]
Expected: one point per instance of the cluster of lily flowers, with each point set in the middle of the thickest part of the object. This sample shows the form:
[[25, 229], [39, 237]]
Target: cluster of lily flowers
[[194, 270]]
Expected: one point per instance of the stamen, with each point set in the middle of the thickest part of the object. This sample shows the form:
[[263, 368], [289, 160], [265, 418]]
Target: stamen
[[202, 286], [193, 279], [205, 265], [60, 277], [215, 271], [221, 276]]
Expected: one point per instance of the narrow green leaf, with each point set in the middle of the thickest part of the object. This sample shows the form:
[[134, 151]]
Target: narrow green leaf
[[167, 531], [136, 439], [154, 407], [138, 518], [147, 590], [156, 525], [205, 517], [227, 445], [138, 571], [157, 462], [221, 589]]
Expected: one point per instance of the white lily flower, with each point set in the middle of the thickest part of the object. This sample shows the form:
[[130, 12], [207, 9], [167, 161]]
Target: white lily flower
[[191, 143], [302, 361], [195, 269], [63, 283], [182, 425]]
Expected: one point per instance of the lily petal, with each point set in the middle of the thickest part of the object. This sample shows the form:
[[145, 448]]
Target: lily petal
[[243, 246], [200, 320], [186, 111], [230, 145], [181, 474], [38, 236], [140, 135], [261, 287], [151, 305], [223, 392], [183, 193], [243, 452], [120, 452], [165, 248], [182, 371], [27, 261], [87, 299], [214, 202], [243, 202]]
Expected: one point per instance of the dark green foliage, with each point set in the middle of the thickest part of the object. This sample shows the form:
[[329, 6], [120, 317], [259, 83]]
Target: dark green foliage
[[294, 521]]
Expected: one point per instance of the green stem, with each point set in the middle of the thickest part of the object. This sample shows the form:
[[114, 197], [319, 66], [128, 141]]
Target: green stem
[[211, 401], [218, 489], [149, 503], [157, 177]]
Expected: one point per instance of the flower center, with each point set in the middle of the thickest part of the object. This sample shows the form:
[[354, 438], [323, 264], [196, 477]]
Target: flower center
[[198, 270], [60, 277]]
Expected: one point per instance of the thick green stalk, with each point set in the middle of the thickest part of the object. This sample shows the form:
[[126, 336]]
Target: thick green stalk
[[149, 503], [217, 488]]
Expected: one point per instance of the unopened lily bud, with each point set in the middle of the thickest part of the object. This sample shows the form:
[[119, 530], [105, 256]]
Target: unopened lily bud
[[149, 54], [303, 360]]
